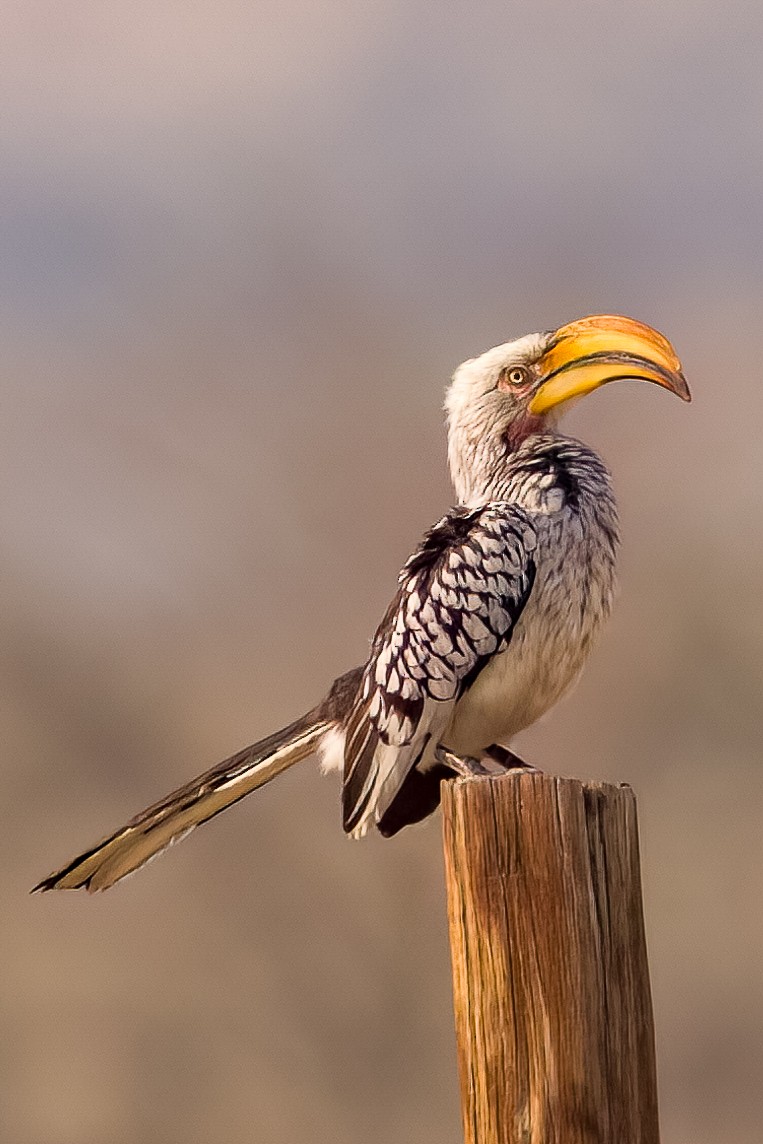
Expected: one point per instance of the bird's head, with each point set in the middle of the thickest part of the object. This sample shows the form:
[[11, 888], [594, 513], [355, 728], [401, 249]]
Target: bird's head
[[497, 400]]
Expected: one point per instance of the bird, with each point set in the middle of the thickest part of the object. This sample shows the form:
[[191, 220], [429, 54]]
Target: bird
[[494, 616]]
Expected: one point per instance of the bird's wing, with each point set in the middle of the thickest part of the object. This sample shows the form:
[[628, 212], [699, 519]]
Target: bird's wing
[[458, 599]]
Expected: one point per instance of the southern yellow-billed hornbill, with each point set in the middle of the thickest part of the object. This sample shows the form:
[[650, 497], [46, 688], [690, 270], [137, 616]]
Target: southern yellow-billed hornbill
[[494, 614]]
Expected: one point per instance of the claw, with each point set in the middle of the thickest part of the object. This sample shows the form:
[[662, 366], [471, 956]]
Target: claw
[[508, 760], [462, 765]]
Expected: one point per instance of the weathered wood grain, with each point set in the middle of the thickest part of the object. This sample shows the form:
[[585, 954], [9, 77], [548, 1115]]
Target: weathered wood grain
[[551, 981]]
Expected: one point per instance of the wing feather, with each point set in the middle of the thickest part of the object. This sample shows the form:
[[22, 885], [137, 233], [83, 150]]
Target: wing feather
[[458, 599]]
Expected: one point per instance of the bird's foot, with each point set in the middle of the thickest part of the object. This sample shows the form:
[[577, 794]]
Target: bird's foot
[[507, 760], [462, 765]]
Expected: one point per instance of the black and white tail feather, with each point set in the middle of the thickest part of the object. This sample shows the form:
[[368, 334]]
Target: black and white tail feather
[[167, 821]]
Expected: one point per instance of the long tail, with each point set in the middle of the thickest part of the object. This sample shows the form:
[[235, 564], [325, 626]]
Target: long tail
[[199, 800]]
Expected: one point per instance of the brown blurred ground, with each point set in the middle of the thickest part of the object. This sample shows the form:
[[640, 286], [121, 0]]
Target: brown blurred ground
[[242, 249]]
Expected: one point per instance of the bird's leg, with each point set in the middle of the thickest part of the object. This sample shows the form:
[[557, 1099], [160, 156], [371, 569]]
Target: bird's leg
[[507, 759], [463, 765]]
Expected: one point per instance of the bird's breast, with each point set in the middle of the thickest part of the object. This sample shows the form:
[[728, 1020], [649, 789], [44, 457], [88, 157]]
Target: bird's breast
[[571, 598]]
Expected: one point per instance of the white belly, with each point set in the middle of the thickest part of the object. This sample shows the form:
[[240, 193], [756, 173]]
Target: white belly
[[511, 693]]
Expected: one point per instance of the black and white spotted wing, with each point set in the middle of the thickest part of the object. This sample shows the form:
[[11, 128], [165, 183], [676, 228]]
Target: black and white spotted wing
[[459, 597]]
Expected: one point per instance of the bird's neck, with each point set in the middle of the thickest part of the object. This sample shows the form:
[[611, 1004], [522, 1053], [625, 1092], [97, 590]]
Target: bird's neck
[[480, 456], [541, 471]]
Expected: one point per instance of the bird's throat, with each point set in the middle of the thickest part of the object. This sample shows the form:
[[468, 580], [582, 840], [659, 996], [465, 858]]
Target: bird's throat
[[522, 427]]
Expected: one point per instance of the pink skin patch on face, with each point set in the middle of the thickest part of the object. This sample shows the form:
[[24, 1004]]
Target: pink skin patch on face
[[523, 427]]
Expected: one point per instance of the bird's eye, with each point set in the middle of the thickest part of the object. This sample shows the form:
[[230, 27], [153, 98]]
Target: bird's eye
[[514, 377]]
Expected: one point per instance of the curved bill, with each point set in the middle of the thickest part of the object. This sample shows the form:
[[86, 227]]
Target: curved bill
[[593, 351]]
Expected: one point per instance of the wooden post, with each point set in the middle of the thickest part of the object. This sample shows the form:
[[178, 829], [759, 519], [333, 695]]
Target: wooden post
[[550, 973]]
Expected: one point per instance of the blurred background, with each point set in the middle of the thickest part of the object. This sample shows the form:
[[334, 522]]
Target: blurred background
[[243, 248]]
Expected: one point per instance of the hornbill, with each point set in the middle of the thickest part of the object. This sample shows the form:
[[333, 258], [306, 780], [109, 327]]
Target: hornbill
[[494, 615]]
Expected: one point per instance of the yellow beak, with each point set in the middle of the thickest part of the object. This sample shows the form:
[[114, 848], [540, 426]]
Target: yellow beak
[[605, 347]]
